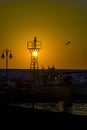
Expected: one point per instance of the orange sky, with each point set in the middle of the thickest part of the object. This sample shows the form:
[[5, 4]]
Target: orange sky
[[53, 23]]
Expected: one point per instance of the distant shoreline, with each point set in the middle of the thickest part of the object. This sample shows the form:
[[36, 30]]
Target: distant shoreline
[[45, 69]]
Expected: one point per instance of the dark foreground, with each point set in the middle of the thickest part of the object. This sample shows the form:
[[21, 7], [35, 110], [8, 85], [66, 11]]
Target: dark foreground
[[18, 116], [39, 114]]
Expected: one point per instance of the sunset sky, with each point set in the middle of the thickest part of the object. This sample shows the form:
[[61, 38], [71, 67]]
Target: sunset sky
[[54, 22]]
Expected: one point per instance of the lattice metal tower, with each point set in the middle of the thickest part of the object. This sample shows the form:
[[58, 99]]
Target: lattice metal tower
[[34, 47]]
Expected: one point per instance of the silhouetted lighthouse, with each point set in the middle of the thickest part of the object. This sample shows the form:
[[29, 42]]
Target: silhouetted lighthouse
[[34, 47]]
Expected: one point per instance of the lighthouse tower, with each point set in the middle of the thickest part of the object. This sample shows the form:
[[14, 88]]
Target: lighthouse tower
[[34, 47]]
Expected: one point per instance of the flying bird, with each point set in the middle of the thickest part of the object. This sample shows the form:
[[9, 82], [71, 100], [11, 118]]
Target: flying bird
[[67, 43]]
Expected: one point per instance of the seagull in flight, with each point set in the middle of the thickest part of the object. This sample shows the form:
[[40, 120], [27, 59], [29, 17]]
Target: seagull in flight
[[67, 43]]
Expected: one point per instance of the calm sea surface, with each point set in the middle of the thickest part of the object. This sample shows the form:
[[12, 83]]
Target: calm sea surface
[[78, 108]]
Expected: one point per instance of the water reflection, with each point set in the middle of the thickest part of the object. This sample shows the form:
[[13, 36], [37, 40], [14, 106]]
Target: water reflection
[[78, 108]]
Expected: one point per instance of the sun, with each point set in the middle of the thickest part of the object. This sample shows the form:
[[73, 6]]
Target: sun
[[35, 53]]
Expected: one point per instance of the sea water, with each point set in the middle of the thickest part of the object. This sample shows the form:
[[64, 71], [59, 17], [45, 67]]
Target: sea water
[[78, 108]]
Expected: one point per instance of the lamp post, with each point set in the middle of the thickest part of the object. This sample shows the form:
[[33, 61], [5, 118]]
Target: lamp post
[[6, 53]]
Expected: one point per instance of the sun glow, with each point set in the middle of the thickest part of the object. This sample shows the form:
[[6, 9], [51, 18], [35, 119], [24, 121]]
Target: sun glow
[[35, 53]]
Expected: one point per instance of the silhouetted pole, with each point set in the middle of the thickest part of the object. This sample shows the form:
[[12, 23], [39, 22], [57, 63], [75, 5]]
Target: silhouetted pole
[[3, 56]]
